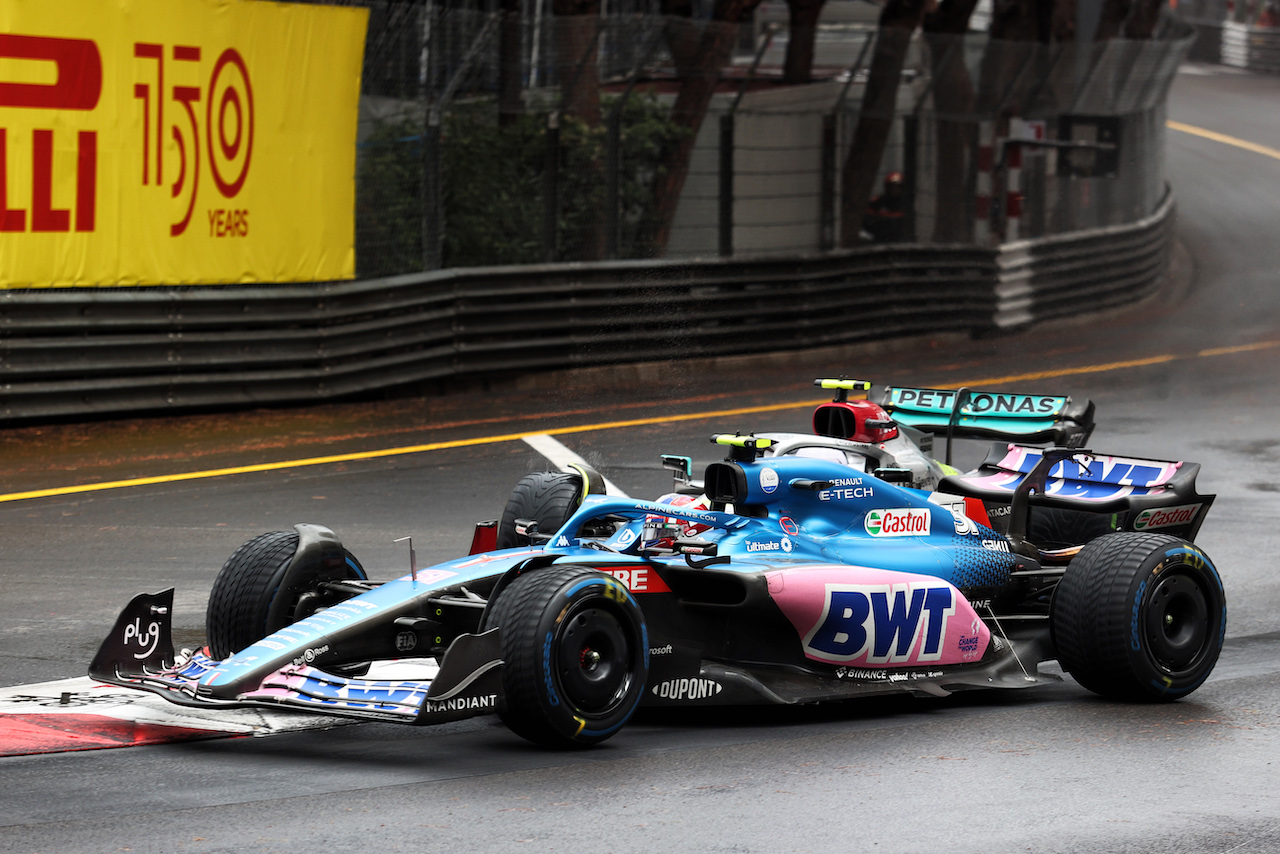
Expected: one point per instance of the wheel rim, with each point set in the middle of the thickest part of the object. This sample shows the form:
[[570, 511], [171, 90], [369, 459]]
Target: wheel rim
[[593, 661], [1178, 623]]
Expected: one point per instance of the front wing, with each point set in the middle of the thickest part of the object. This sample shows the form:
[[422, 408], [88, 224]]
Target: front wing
[[139, 654]]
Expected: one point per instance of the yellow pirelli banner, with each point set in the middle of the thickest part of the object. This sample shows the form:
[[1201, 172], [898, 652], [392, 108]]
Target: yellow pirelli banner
[[148, 142]]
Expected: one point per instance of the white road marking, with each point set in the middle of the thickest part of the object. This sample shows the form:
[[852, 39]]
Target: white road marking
[[560, 457]]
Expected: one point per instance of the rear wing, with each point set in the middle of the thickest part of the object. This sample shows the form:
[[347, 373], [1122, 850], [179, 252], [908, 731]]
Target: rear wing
[[1143, 494], [966, 414]]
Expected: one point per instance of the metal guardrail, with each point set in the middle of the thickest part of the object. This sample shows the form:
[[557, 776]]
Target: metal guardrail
[[1059, 276], [81, 353], [1254, 48], [1237, 44]]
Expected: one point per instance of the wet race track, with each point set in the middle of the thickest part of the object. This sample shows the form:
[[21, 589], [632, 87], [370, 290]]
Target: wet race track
[[1188, 376]]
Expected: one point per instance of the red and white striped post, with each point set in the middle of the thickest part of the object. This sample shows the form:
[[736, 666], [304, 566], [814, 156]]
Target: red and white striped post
[[1013, 190], [982, 191], [1023, 136]]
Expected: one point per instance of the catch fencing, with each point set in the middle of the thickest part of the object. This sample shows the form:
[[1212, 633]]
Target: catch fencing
[[481, 144]]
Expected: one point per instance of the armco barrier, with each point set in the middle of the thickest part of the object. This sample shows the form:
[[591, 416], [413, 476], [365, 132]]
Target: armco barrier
[[1254, 48], [1236, 44], [1060, 276], [81, 353]]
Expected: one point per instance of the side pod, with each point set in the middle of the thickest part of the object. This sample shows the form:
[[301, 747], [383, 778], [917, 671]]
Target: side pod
[[141, 642]]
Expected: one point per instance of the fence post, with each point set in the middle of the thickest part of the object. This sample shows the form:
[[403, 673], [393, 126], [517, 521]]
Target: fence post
[[432, 189], [831, 126], [726, 146], [911, 169], [827, 190], [1013, 191], [613, 150], [613, 138], [726, 185], [551, 190], [432, 197], [984, 186]]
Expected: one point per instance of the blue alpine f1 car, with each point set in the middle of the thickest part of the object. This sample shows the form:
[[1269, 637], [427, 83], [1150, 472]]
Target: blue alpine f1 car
[[802, 581]]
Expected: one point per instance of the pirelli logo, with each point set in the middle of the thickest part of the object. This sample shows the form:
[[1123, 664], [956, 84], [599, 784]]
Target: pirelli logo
[[76, 85]]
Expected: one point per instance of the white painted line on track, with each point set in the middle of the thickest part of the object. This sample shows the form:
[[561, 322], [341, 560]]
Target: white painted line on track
[[560, 457]]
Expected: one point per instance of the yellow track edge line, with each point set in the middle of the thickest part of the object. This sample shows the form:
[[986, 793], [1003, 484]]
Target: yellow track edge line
[[386, 452], [1264, 150], [591, 428]]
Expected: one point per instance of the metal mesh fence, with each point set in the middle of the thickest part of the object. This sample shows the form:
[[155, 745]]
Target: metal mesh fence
[[1035, 139], [490, 140]]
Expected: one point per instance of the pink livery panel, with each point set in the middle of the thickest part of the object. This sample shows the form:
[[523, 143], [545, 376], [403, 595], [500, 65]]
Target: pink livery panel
[[857, 616]]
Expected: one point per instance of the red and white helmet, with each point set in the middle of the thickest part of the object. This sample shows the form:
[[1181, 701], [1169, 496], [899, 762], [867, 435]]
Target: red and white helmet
[[669, 527]]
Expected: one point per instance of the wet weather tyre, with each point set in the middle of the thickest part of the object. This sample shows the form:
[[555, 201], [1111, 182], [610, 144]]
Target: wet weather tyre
[[547, 497], [1139, 617], [576, 655], [245, 589]]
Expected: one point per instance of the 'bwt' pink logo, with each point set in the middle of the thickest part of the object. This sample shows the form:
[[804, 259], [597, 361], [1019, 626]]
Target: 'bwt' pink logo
[[228, 128]]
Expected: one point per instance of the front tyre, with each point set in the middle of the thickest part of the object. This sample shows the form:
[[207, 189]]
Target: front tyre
[[240, 605], [1139, 617], [576, 655]]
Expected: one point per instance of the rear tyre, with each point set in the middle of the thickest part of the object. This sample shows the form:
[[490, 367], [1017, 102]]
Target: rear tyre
[[247, 585], [576, 655], [1139, 617], [547, 497]]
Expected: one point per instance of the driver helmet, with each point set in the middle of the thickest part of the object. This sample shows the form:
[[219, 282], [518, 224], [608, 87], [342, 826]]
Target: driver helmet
[[670, 528]]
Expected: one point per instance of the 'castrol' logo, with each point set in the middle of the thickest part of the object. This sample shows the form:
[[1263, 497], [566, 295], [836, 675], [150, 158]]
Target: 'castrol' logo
[[898, 522], [1165, 517]]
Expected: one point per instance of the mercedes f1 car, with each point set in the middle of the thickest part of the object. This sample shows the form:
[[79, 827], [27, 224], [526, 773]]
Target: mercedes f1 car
[[892, 440], [802, 582], [899, 431]]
